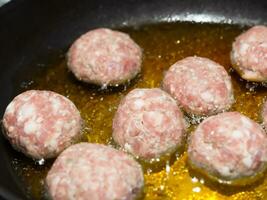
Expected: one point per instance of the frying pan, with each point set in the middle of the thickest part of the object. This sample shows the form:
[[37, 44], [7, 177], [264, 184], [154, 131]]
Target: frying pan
[[34, 32]]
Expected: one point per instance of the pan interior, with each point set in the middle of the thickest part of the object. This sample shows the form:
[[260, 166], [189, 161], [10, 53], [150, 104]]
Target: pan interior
[[163, 44]]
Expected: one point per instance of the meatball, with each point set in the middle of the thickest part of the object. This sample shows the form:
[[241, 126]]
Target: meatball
[[249, 54], [41, 124], [105, 57], [148, 123], [228, 147], [264, 114], [200, 86], [94, 171]]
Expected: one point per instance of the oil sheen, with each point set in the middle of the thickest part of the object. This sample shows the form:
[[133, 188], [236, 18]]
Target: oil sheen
[[163, 44]]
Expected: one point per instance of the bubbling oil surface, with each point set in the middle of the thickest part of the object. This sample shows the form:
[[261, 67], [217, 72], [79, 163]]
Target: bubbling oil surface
[[162, 44]]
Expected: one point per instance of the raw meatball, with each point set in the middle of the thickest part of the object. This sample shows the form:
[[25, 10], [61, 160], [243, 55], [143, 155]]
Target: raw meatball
[[93, 171], [228, 147], [148, 123], [41, 124], [200, 86], [105, 57], [249, 54], [264, 114]]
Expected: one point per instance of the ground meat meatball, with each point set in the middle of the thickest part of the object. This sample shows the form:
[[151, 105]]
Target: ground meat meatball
[[93, 171], [200, 86], [41, 124], [264, 114], [148, 123], [104, 57], [228, 147], [249, 54]]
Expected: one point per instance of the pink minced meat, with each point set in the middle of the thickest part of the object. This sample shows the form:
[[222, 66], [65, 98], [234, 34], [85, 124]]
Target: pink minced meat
[[41, 123], [200, 86], [249, 54], [264, 114], [94, 171], [228, 146], [105, 57], [148, 123]]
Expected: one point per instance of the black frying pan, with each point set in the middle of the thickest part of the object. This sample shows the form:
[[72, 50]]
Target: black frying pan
[[33, 32]]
